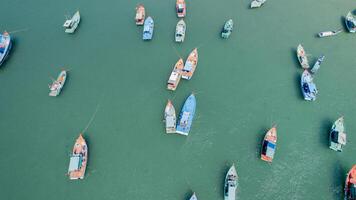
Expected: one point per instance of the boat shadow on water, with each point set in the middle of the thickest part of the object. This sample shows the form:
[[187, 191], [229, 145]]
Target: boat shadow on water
[[298, 85], [3, 66], [339, 173], [324, 129], [293, 53], [259, 141]]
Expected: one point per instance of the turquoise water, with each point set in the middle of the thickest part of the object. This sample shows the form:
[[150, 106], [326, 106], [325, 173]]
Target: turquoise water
[[243, 86]]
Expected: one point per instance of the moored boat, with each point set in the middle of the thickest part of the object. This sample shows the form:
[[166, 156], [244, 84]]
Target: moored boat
[[78, 159], [302, 57], [337, 135], [58, 84], [181, 8], [329, 33], [176, 75], [170, 117], [193, 197], [72, 24], [350, 184], [140, 14], [180, 31], [186, 116], [230, 185], [257, 3], [269, 145], [148, 29], [190, 65], [350, 21], [227, 29], [5, 46], [317, 64], [308, 87]]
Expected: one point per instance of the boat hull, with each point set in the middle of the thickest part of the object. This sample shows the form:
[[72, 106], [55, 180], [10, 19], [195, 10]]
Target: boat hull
[[7, 42], [186, 116], [76, 21]]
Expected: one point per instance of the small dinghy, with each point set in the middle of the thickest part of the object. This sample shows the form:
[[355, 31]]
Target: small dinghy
[[190, 65], [58, 84], [72, 24], [257, 3], [230, 184], [180, 31], [148, 29], [170, 117], [302, 57], [317, 64], [186, 116], [269, 145], [140, 15], [350, 184], [350, 21], [193, 197], [308, 87], [337, 135], [329, 33], [78, 159], [227, 29], [181, 8], [5, 46], [176, 75]]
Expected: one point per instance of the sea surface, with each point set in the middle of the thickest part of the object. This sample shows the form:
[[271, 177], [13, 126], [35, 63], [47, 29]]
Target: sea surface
[[243, 85]]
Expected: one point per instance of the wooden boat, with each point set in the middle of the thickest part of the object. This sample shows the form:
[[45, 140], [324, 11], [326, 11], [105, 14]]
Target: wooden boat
[[180, 31], [5, 46], [228, 27], [148, 29], [72, 24], [78, 159], [58, 84], [302, 57], [170, 117], [186, 115], [193, 197], [257, 3], [231, 182], [176, 75], [269, 145], [308, 87], [337, 135], [140, 14], [350, 21], [317, 64], [329, 33], [190, 65], [181, 8], [350, 184]]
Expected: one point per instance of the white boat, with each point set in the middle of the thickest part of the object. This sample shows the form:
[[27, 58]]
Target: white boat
[[302, 57], [337, 136], [257, 3], [57, 85], [317, 64], [170, 117], [230, 184], [180, 31], [329, 33], [193, 197], [72, 24]]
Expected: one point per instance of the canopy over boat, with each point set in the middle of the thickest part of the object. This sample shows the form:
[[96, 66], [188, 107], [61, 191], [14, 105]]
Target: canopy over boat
[[308, 87], [230, 184], [186, 115]]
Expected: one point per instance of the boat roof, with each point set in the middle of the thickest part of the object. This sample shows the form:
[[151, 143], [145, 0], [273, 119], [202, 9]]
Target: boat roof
[[174, 77], [74, 163], [170, 121], [67, 23]]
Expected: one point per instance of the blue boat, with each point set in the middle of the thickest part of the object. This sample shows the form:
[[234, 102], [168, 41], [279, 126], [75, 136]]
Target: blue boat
[[5, 46], [186, 116], [148, 29], [308, 87]]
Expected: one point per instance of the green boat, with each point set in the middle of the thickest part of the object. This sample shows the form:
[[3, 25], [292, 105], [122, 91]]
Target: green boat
[[228, 27]]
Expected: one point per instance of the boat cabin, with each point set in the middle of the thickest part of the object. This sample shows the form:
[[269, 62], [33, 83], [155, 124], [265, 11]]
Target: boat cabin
[[75, 163], [180, 8], [174, 78], [268, 149], [184, 119], [139, 17], [338, 137], [170, 121], [68, 23]]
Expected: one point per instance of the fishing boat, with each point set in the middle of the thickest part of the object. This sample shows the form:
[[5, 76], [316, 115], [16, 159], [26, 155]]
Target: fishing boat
[[329, 33], [58, 84], [317, 64], [186, 116], [72, 24], [5, 46], [231, 182], [180, 31], [350, 184], [181, 8], [227, 29], [302, 57], [170, 117], [78, 159], [337, 135], [140, 14], [350, 22], [193, 197], [176, 75], [148, 29], [190, 65], [269, 145], [257, 3], [308, 87]]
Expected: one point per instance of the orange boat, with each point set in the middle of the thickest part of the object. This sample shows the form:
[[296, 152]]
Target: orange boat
[[350, 184], [140, 14], [269, 145], [181, 8], [175, 76], [78, 159], [190, 65]]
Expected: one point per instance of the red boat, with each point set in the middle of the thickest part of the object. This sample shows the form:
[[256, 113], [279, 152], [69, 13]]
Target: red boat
[[350, 184], [181, 9]]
